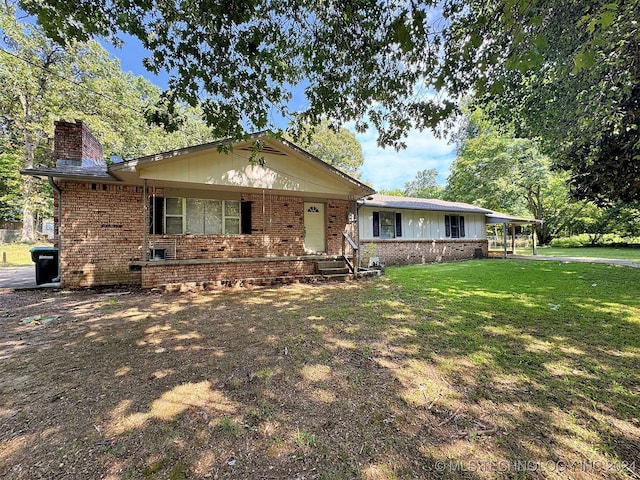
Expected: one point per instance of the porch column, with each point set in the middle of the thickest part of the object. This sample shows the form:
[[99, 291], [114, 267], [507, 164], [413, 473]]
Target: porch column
[[535, 247], [145, 222], [513, 239]]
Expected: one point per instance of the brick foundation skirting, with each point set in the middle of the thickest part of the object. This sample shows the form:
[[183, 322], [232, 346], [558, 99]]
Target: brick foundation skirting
[[412, 252], [155, 274]]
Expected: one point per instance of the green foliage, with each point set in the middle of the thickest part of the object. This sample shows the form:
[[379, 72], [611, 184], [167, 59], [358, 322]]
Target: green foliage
[[425, 185], [305, 439], [10, 182], [503, 173], [396, 192], [243, 61], [43, 82], [229, 426], [587, 240], [337, 146], [564, 72]]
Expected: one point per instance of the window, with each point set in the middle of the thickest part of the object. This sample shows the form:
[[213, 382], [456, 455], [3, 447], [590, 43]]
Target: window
[[193, 216], [387, 224], [454, 226]]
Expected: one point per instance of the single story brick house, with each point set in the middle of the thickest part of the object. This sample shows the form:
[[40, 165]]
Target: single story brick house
[[203, 214], [208, 215], [403, 231]]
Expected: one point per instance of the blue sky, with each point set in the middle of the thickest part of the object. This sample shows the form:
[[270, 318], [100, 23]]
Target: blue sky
[[383, 168]]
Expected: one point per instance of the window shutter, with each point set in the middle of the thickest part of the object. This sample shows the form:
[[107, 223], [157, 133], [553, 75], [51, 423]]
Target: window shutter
[[461, 226], [245, 218], [156, 216], [447, 225], [398, 224], [376, 224]]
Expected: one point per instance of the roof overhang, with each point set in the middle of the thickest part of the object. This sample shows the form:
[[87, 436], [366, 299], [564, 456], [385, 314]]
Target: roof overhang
[[429, 204], [499, 218], [75, 173]]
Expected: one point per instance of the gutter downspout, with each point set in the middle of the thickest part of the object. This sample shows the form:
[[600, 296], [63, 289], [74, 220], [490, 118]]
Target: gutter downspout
[[58, 190], [358, 256]]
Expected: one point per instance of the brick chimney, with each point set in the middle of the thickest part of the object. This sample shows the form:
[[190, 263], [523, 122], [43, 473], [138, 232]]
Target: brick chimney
[[75, 146]]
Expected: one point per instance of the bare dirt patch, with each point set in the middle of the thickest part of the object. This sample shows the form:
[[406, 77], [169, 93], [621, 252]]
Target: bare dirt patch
[[225, 384]]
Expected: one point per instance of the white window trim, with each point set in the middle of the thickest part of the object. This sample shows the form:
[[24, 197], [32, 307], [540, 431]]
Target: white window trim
[[183, 215]]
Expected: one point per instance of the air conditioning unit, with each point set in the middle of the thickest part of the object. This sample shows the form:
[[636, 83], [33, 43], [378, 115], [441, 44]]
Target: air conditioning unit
[[157, 253]]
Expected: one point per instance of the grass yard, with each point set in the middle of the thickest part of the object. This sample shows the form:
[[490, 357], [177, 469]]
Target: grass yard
[[17, 254], [480, 369], [622, 253]]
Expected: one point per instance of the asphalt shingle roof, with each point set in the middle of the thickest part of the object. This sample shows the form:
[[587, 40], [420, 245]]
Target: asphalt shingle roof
[[97, 173], [410, 203]]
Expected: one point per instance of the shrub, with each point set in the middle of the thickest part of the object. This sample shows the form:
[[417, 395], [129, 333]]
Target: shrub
[[595, 240]]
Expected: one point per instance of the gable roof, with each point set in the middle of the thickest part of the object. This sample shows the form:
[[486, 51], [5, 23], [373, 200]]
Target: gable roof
[[310, 174], [411, 203]]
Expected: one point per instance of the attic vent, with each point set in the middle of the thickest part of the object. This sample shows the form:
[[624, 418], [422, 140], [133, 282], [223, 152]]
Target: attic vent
[[265, 149]]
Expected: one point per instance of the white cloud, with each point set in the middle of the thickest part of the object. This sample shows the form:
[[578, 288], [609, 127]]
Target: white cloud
[[388, 169]]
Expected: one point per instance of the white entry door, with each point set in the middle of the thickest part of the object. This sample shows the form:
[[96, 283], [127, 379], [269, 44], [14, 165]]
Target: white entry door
[[314, 231]]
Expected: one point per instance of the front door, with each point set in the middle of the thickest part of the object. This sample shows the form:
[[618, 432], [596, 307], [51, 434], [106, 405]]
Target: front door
[[314, 231]]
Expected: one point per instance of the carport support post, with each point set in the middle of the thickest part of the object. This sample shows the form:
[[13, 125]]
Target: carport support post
[[535, 247], [513, 239], [504, 240]]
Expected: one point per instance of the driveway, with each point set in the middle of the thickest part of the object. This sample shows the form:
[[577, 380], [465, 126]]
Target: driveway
[[608, 261], [20, 277]]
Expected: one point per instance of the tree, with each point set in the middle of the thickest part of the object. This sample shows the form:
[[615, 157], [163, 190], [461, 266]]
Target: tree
[[9, 186], [242, 60], [396, 192], [566, 72], [502, 173], [621, 219], [337, 146], [26, 97], [425, 185], [42, 82]]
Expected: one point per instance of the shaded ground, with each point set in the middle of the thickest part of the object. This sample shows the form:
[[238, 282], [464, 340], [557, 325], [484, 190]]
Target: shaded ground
[[302, 382]]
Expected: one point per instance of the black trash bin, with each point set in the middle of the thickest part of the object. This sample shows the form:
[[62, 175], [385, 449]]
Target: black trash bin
[[46, 259]]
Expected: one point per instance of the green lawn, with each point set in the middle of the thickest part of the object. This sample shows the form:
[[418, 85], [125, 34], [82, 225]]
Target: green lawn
[[622, 253], [17, 254], [479, 370]]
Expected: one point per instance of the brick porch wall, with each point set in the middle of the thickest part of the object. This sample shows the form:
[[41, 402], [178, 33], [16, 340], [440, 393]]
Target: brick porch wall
[[411, 252], [157, 274]]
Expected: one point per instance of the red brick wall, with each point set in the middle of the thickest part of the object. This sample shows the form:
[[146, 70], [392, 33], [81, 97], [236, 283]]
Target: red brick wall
[[410, 252], [101, 233], [277, 225], [75, 142]]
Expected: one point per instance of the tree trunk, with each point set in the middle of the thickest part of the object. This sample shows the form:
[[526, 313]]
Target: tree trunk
[[28, 231]]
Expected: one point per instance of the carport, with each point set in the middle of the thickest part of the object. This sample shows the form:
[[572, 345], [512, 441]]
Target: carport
[[509, 224]]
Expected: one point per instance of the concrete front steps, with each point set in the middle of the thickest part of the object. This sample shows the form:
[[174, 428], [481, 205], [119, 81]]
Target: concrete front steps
[[333, 270]]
